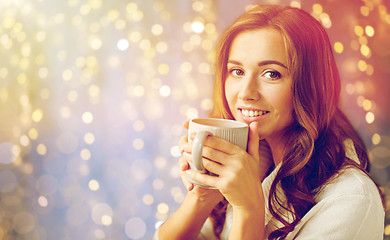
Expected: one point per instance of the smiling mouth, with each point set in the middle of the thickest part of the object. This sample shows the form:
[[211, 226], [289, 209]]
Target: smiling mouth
[[252, 113]]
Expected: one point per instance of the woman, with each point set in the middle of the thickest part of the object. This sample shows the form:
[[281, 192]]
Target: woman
[[276, 72]]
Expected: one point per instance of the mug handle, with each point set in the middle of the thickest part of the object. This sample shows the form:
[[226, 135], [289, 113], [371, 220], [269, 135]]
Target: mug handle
[[197, 147]]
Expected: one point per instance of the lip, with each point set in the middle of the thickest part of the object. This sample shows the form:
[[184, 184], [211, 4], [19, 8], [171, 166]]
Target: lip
[[249, 119]]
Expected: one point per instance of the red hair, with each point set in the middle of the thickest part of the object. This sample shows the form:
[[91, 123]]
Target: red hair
[[315, 141]]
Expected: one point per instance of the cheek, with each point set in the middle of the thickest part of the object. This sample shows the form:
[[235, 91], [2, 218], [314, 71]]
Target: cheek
[[230, 94]]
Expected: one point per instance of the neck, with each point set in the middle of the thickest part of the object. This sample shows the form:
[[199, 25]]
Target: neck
[[277, 148]]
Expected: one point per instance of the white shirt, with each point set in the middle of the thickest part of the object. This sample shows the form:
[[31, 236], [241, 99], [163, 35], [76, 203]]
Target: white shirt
[[347, 207]]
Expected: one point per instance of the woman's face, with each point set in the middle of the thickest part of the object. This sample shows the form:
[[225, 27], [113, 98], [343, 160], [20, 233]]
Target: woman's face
[[258, 83]]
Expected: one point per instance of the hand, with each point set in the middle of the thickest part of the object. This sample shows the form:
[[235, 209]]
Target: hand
[[238, 171], [203, 194]]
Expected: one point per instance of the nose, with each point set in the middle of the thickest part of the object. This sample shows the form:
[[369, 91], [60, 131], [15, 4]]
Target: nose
[[249, 89]]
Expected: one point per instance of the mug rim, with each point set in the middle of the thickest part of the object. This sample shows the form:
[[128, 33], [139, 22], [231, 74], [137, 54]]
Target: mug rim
[[212, 122]]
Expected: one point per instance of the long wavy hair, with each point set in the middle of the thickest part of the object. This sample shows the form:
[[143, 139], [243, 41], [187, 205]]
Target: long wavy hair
[[315, 150]]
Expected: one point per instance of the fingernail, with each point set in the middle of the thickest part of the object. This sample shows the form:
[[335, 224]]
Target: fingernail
[[189, 172], [183, 166]]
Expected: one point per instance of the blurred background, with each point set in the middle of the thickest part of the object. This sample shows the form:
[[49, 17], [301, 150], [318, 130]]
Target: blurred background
[[93, 95]]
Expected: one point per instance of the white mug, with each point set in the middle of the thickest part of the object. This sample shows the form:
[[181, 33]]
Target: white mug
[[230, 130]]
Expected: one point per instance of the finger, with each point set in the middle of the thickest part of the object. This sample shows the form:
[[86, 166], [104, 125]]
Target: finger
[[214, 155], [212, 166], [186, 123], [253, 140], [202, 178], [182, 142], [184, 167], [183, 162], [187, 184], [221, 145]]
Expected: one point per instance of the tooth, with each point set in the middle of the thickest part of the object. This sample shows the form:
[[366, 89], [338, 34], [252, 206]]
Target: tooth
[[256, 113], [246, 113], [251, 113]]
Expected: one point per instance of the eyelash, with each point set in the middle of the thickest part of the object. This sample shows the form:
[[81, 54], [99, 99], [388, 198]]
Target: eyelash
[[234, 70]]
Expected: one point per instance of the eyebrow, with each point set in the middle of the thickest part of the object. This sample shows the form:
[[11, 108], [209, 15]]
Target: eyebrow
[[262, 63]]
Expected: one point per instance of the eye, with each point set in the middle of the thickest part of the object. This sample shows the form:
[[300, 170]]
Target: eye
[[237, 72], [272, 75]]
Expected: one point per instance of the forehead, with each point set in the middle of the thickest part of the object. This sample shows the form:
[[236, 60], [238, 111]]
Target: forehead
[[263, 44]]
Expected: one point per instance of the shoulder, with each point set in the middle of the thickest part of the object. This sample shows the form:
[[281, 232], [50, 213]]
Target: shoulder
[[348, 207], [350, 182]]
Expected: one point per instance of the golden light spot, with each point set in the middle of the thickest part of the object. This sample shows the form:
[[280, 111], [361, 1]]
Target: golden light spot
[[338, 47], [138, 144], [161, 47], [22, 78], [62, 55], [85, 154], [165, 91], [387, 230], [157, 29], [67, 75], [89, 138], [370, 31], [139, 91], [120, 24], [24, 140], [359, 30], [93, 185], [106, 220], [295, 4], [139, 125], [367, 105], [364, 10], [207, 104], [96, 43], [376, 139], [85, 9], [210, 28], [317, 8], [87, 117], [42, 201], [33, 133], [148, 199], [158, 6], [325, 20], [131, 7], [41, 149], [186, 67], [163, 69], [3, 72], [197, 27], [370, 70], [362, 65], [370, 117], [135, 36], [192, 113], [94, 91], [163, 208], [365, 51], [145, 44], [113, 15], [37, 115]]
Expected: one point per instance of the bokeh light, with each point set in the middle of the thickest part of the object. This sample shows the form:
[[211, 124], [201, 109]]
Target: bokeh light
[[93, 95]]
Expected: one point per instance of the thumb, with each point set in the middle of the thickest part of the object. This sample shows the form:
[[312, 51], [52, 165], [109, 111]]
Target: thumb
[[253, 140]]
